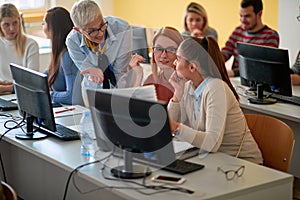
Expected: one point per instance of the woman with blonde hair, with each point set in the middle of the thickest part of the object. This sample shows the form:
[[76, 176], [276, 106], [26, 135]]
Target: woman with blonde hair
[[165, 43], [15, 47], [196, 22]]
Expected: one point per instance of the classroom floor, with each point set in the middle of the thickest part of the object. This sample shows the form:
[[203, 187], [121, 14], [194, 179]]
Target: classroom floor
[[296, 189]]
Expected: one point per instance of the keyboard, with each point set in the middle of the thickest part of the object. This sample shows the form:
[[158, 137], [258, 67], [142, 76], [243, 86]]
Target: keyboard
[[183, 167], [288, 99], [6, 105], [62, 133]]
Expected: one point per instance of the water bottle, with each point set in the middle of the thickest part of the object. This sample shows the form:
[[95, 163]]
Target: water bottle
[[87, 134]]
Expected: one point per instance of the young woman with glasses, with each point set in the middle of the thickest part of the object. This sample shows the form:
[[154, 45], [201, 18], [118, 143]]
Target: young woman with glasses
[[165, 44], [15, 47]]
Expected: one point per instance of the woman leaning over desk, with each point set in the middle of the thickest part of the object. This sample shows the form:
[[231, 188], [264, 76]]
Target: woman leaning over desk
[[205, 106], [15, 47], [63, 76]]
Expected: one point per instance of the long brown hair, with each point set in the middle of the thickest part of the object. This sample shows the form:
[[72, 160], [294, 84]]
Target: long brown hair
[[214, 52], [9, 10], [59, 24]]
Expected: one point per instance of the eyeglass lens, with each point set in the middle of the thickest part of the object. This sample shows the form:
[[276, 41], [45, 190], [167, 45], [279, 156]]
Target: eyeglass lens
[[230, 174], [160, 50], [101, 28]]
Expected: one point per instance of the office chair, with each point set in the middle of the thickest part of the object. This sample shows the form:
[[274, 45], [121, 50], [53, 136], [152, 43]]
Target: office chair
[[274, 138], [139, 43], [9, 192]]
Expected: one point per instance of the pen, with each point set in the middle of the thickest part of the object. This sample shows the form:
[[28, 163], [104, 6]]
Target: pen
[[65, 110]]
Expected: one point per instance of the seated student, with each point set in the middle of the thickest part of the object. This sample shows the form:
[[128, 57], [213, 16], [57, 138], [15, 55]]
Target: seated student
[[165, 43], [196, 22], [205, 110], [252, 30], [295, 77], [62, 72], [15, 47]]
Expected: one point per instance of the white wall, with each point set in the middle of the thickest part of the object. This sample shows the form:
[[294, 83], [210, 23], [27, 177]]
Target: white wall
[[289, 26]]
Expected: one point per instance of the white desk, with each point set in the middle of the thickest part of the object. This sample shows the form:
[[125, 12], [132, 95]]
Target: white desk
[[39, 170], [286, 112]]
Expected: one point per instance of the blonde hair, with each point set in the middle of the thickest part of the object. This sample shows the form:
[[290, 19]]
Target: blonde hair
[[171, 33], [198, 9], [9, 10]]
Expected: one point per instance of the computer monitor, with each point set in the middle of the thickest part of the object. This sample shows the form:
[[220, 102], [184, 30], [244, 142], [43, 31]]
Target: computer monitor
[[266, 68], [139, 127], [139, 44], [34, 102]]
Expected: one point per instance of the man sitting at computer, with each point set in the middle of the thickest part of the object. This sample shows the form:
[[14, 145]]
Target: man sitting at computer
[[295, 77], [251, 30]]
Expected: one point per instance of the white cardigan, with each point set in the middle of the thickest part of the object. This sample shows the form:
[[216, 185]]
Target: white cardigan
[[220, 124], [8, 55]]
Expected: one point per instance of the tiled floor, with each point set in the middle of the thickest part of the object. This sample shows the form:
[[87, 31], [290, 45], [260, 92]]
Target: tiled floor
[[296, 188]]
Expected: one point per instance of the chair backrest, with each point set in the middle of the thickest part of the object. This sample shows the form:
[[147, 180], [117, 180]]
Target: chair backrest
[[274, 138], [9, 192]]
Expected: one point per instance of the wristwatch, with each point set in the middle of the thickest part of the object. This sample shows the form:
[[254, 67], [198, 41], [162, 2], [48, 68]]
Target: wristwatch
[[176, 132]]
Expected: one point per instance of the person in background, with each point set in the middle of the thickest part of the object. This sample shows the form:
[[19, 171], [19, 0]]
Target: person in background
[[62, 72], [196, 22], [99, 46], [15, 47], [252, 30], [295, 77], [165, 43], [205, 110]]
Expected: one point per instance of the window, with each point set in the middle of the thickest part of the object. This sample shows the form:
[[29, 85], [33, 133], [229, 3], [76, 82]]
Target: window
[[27, 4]]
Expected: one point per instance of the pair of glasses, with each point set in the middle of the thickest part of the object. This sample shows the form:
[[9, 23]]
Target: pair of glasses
[[298, 17], [94, 32], [169, 51], [230, 173]]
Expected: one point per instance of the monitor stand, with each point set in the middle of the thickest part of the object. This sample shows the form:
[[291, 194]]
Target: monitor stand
[[260, 99], [30, 135], [128, 170]]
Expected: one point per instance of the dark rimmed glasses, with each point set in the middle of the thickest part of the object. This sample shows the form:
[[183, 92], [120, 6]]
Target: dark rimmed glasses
[[160, 50], [94, 32], [230, 173], [298, 17]]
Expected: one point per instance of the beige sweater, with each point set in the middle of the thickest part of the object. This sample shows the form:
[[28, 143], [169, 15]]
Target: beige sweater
[[220, 123]]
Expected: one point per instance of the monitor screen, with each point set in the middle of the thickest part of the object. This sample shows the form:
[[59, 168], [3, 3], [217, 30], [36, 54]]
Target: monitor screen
[[139, 44], [134, 125], [266, 68], [34, 102]]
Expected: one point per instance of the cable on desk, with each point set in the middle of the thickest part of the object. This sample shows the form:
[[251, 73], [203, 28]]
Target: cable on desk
[[144, 186], [76, 170]]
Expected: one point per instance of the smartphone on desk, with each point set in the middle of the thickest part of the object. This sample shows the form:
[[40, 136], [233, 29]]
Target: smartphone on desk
[[168, 179]]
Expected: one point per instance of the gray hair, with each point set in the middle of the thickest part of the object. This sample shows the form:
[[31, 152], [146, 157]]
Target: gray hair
[[84, 12]]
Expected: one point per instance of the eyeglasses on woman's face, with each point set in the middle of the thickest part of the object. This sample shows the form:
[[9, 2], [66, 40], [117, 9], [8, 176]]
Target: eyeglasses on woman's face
[[169, 51], [94, 32]]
